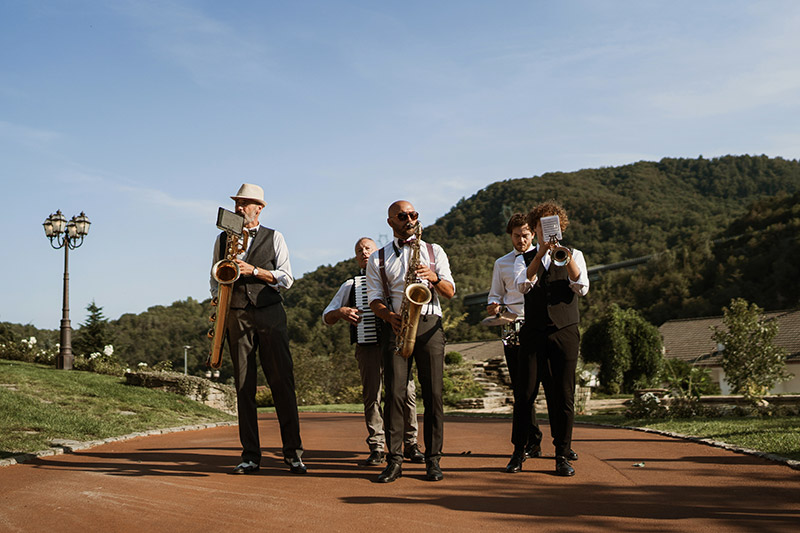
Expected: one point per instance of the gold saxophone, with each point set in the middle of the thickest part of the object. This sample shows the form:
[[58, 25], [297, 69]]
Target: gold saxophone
[[415, 295], [225, 272]]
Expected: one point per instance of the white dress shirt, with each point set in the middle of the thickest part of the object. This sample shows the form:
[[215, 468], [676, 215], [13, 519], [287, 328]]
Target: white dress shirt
[[283, 268], [580, 287], [504, 287], [340, 299], [396, 272]]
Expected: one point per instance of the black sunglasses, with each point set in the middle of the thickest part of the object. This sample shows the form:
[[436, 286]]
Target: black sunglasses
[[413, 215]]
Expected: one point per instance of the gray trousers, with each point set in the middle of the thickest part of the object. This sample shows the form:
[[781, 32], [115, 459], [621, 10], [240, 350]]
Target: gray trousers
[[370, 365]]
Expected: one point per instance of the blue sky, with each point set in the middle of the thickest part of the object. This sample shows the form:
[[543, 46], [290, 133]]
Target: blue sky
[[149, 115]]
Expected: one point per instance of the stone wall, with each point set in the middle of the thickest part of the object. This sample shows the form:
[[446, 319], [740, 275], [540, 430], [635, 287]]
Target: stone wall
[[216, 395]]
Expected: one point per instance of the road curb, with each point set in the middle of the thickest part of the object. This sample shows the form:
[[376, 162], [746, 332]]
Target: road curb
[[62, 446]]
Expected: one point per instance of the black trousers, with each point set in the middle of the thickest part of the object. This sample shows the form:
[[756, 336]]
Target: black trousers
[[429, 356], [534, 437], [259, 334], [549, 355]]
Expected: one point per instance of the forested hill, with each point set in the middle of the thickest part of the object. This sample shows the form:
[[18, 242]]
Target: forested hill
[[717, 228], [615, 213]]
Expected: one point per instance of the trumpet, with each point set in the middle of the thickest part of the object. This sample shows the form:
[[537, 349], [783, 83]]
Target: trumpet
[[560, 254]]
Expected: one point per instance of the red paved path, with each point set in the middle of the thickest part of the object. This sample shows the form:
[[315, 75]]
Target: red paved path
[[179, 482]]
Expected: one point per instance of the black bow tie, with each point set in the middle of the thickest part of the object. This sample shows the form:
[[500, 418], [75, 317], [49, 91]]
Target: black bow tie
[[252, 232]]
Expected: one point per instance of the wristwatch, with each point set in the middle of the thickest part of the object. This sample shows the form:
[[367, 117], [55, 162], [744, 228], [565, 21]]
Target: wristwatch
[[255, 272]]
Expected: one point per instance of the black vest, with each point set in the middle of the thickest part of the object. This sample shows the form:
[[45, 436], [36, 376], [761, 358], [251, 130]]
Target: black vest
[[551, 301], [249, 289]]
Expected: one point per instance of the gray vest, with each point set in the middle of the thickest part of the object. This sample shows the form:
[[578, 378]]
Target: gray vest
[[249, 289]]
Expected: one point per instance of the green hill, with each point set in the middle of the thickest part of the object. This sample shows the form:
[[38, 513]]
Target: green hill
[[718, 228]]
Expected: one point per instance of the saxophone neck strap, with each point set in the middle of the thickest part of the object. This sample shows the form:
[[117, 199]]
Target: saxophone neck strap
[[382, 267]]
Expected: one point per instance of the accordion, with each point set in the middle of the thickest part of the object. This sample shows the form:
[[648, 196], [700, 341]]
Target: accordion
[[366, 331]]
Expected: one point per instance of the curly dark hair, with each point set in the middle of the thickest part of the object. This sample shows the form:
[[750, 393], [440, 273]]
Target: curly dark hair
[[548, 209], [517, 220]]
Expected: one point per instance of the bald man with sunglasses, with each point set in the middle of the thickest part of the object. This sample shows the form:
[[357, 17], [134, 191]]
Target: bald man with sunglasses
[[386, 272]]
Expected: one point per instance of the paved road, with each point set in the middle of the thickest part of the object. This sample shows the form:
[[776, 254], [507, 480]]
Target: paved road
[[178, 482]]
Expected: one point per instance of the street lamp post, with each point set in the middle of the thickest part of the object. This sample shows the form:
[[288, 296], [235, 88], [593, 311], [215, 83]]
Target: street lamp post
[[185, 349], [67, 235]]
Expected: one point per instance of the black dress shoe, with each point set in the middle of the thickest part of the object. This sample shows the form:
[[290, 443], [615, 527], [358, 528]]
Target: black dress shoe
[[246, 467], [413, 454], [533, 450], [572, 456], [563, 468], [391, 473], [432, 470], [376, 457], [296, 465], [515, 464]]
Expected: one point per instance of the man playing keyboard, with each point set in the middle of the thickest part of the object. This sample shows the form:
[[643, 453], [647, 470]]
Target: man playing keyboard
[[350, 304]]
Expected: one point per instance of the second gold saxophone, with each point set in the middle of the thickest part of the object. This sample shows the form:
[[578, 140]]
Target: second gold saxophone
[[415, 295]]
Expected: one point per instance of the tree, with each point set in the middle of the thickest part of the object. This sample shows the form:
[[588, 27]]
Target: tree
[[752, 363], [628, 349], [93, 335]]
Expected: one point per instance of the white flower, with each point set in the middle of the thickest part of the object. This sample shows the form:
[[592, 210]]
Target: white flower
[[108, 350], [142, 365], [32, 341], [94, 355]]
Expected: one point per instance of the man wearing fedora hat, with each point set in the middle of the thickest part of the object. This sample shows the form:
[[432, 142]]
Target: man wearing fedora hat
[[256, 331]]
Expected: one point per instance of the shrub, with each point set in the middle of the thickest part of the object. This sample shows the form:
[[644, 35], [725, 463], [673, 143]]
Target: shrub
[[648, 405], [264, 397], [453, 358]]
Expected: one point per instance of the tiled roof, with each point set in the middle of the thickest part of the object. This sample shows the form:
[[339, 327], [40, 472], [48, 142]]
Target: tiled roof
[[690, 339]]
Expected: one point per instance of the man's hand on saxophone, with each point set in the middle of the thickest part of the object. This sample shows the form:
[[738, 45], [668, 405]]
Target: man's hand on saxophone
[[443, 287]]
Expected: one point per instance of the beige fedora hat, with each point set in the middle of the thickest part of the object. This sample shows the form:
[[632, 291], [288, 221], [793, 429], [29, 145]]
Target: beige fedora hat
[[248, 191]]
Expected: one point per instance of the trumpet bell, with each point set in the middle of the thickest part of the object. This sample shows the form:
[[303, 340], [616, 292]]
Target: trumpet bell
[[561, 256]]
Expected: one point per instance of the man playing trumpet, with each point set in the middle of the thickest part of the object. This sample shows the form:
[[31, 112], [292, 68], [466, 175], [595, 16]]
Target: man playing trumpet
[[386, 284], [549, 339], [504, 295]]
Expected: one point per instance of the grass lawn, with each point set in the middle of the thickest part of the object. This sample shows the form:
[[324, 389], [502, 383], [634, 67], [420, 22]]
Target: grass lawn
[[39, 404], [777, 435]]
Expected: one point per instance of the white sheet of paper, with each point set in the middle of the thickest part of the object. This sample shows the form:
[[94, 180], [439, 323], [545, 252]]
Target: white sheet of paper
[[551, 226]]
